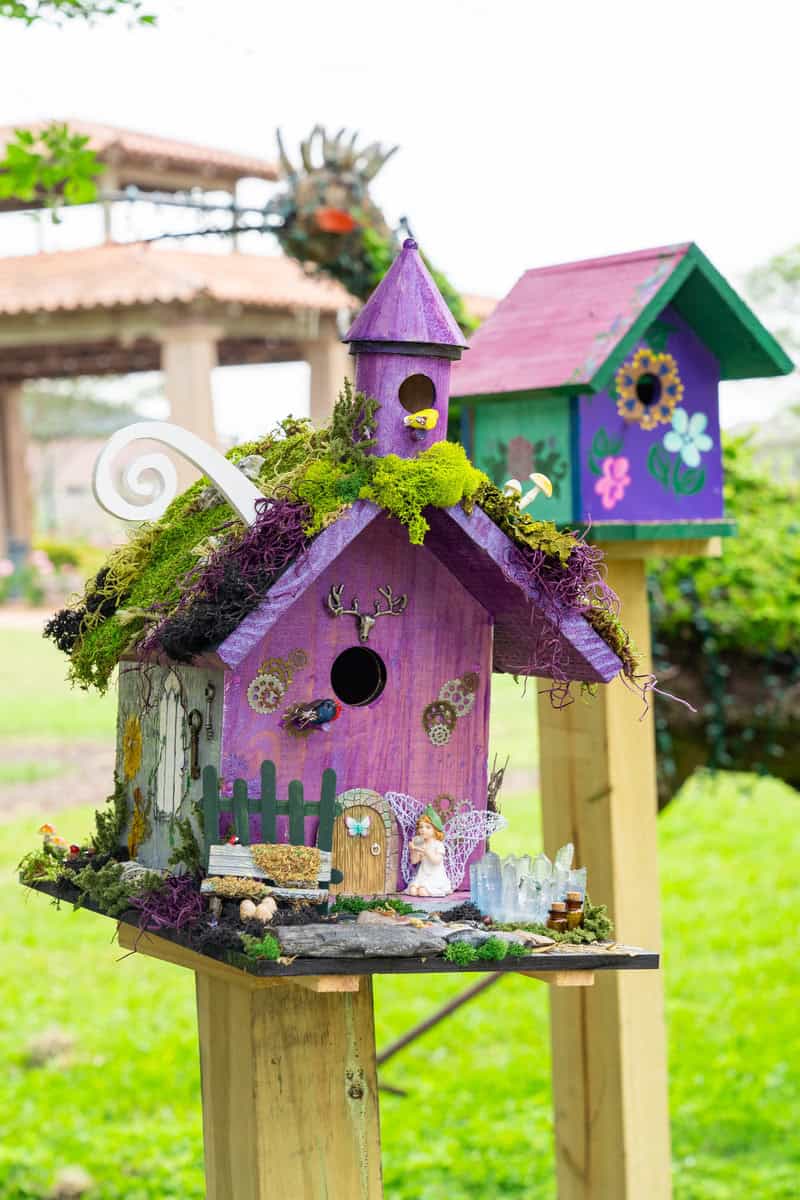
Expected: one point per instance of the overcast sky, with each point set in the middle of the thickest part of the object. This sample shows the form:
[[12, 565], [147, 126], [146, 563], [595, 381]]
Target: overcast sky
[[531, 131]]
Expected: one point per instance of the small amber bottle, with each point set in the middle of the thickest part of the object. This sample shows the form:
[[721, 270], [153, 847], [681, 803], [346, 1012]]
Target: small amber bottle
[[558, 916], [574, 909]]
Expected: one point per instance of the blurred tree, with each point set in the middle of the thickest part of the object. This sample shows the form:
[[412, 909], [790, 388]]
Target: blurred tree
[[55, 166], [776, 285], [31, 11]]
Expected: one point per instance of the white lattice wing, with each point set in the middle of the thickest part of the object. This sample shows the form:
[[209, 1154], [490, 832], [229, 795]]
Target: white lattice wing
[[408, 811], [462, 833]]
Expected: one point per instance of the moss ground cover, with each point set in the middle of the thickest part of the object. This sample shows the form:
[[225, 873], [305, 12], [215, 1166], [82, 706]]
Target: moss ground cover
[[477, 1121]]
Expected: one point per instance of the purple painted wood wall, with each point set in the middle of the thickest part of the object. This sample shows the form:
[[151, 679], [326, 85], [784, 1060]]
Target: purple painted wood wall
[[380, 376], [443, 634], [646, 497]]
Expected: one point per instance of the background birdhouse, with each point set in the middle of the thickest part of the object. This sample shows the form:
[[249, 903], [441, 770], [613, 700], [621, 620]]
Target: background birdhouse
[[604, 375]]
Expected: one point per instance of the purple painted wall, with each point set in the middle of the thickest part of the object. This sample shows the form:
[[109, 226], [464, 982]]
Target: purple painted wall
[[628, 473], [380, 376], [443, 634]]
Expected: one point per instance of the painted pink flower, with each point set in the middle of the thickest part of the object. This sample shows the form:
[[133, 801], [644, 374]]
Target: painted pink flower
[[611, 486]]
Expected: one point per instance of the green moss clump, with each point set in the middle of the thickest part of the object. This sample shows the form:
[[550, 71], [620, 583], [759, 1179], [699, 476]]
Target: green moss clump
[[517, 950], [40, 866], [493, 950], [521, 527], [105, 889], [460, 953], [187, 851], [357, 904], [266, 947], [328, 489], [110, 821], [440, 477]]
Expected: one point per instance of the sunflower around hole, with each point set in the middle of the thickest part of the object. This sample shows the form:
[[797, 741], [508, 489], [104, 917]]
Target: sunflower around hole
[[648, 388]]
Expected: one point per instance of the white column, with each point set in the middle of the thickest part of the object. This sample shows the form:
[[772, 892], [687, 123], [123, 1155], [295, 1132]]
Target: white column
[[330, 361], [16, 520], [188, 356]]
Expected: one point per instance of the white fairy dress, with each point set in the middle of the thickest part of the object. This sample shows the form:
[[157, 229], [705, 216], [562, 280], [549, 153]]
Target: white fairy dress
[[433, 877]]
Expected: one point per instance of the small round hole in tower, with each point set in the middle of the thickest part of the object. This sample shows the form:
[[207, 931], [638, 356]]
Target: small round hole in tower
[[417, 392]]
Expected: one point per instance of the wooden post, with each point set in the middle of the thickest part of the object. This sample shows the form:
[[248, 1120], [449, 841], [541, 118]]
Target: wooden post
[[15, 502], [188, 356], [290, 1092], [330, 362], [598, 779]]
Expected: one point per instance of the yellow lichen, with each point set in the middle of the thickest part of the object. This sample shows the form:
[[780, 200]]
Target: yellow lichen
[[131, 747]]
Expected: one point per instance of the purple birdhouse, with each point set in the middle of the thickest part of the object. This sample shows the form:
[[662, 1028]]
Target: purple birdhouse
[[350, 692], [604, 375]]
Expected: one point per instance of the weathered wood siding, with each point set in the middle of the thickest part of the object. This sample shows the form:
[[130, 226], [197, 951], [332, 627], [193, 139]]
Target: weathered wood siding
[[162, 698]]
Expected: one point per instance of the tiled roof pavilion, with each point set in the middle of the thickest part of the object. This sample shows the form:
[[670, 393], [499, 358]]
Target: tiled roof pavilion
[[148, 161]]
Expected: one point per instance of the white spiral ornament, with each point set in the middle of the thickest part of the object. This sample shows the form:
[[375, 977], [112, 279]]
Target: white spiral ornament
[[237, 489]]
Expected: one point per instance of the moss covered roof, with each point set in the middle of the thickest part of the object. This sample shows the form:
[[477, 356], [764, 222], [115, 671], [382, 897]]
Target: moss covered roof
[[182, 584]]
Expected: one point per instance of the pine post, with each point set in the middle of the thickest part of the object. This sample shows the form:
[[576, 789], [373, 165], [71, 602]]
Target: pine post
[[269, 801], [598, 781], [290, 1091], [327, 810], [240, 811], [296, 813], [210, 805]]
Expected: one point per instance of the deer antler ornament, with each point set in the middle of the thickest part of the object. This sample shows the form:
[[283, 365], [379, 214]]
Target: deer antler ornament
[[366, 621]]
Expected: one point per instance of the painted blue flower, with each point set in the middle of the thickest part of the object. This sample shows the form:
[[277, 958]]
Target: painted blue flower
[[688, 437]]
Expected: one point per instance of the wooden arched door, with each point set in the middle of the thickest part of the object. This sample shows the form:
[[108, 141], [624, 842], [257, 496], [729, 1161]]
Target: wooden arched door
[[359, 851]]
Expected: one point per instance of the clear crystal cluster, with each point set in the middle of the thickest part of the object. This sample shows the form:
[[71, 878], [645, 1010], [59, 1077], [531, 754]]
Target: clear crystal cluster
[[522, 889]]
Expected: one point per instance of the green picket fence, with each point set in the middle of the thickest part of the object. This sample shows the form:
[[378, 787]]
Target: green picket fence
[[269, 808]]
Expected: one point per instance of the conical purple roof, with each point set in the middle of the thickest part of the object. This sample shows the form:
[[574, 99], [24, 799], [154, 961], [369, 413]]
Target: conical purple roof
[[407, 306]]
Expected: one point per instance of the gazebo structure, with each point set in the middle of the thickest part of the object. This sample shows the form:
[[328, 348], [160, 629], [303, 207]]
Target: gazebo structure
[[118, 308]]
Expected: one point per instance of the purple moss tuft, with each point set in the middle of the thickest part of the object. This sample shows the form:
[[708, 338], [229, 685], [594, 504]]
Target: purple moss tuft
[[220, 593], [175, 904]]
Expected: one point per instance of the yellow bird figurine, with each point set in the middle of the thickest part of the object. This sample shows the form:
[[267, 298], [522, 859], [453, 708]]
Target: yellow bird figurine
[[421, 422]]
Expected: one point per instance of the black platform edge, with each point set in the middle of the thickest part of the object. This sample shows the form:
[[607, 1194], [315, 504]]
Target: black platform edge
[[590, 960]]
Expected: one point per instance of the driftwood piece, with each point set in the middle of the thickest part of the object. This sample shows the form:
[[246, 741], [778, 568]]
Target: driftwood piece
[[357, 941]]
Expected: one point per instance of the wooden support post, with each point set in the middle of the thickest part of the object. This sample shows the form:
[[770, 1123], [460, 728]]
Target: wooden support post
[[188, 356], [598, 779], [290, 1092], [15, 502], [330, 362], [290, 1083]]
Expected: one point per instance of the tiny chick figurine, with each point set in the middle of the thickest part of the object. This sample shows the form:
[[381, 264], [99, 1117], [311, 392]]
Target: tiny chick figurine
[[421, 422], [301, 719]]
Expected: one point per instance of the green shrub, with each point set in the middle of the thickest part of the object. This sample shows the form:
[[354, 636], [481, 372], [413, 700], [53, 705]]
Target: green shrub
[[493, 950], [266, 947], [105, 889], [460, 953]]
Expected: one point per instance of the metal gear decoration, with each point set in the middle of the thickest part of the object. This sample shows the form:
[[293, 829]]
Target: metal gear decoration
[[265, 693], [270, 683], [461, 693], [439, 721]]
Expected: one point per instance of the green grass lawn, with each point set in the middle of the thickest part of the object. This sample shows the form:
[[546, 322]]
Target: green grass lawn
[[477, 1122], [36, 700]]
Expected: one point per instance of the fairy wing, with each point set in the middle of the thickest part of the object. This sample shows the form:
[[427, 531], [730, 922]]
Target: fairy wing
[[462, 833], [407, 810]]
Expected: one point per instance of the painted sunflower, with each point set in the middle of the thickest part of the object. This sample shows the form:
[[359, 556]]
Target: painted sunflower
[[648, 389], [131, 747]]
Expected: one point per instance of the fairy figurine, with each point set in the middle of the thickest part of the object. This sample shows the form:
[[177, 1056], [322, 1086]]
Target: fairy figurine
[[426, 853], [438, 839]]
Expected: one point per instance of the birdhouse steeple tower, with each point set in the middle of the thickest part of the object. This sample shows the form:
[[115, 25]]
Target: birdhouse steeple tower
[[404, 340]]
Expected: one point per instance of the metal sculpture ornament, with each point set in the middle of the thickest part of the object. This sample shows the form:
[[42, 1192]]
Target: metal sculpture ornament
[[157, 493]]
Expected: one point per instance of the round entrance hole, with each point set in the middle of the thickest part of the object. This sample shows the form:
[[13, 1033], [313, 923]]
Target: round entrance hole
[[648, 389], [358, 676], [417, 392]]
